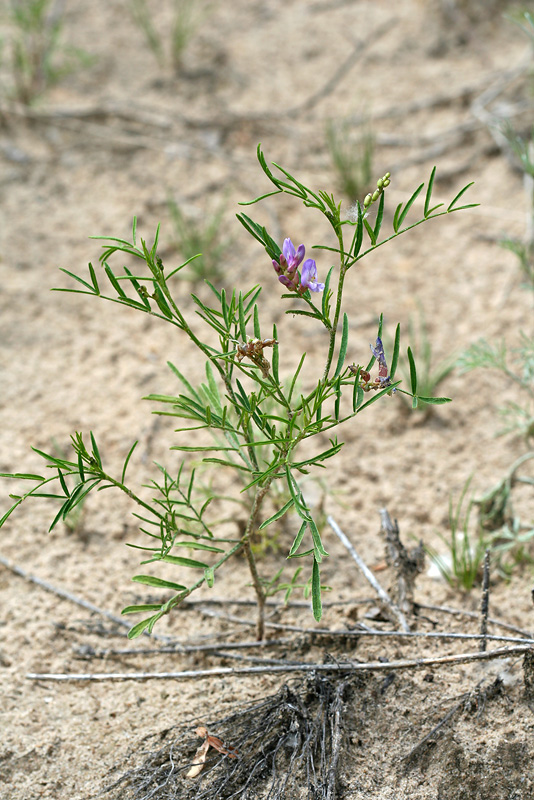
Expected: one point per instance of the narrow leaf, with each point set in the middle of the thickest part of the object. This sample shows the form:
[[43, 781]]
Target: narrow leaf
[[23, 476], [150, 580], [194, 545], [316, 592], [161, 301], [77, 278], [127, 460], [342, 346], [370, 231], [275, 361], [138, 629], [242, 324], [429, 192], [114, 282], [395, 356], [396, 216], [297, 541], [413, 371], [357, 239], [451, 205], [95, 450], [319, 550], [434, 401], [409, 204], [183, 562], [257, 331], [138, 609], [379, 216], [280, 513]]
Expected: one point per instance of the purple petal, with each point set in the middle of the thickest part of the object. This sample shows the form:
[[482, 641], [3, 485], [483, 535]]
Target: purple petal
[[308, 278], [288, 250], [293, 257]]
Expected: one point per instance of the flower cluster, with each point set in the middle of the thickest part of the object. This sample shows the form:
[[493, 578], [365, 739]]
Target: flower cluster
[[288, 275]]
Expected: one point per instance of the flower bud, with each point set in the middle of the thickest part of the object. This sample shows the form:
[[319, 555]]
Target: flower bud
[[367, 200]]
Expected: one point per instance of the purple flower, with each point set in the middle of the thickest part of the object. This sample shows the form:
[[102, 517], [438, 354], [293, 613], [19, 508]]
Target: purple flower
[[292, 257], [308, 278], [288, 275]]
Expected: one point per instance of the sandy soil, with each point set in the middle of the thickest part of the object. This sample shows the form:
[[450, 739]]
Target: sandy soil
[[119, 139]]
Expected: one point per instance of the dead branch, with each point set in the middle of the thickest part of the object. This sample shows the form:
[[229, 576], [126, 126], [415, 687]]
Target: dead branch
[[430, 737], [389, 607], [370, 666], [66, 595], [178, 649], [484, 606], [362, 630], [342, 71], [479, 107], [63, 593], [459, 612], [475, 699], [336, 737]]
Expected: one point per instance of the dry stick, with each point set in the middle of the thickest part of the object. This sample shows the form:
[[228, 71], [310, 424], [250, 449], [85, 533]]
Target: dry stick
[[71, 597], [484, 607], [383, 595], [343, 70], [184, 649], [463, 703], [222, 651], [368, 631], [479, 106], [474, 615], [430, 736], [370, 666], [61, 592]]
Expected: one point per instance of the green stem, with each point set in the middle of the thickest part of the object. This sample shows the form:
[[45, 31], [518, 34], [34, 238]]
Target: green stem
[[131, 495], [337, 314], [244, 543]]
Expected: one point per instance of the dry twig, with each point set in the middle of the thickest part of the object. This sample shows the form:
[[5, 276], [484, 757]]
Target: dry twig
[[369, 666], [389, 607], [484, 607], [62, 593]]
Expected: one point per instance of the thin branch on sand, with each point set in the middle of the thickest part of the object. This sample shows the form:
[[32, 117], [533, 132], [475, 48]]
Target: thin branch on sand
[[371, 666], [72, 598], [390, 608], [484, 606]]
